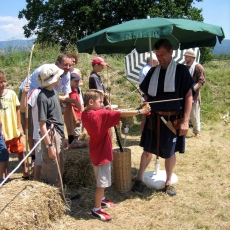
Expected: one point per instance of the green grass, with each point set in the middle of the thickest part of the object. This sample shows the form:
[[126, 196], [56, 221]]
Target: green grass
[[215, 93]]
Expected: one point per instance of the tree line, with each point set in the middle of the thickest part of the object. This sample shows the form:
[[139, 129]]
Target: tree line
[[67, 21]]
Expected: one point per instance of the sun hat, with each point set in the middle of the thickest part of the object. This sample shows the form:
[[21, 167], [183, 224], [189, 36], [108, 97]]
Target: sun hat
[[75, 77], [100, 61], [190, 53], [49, 74]]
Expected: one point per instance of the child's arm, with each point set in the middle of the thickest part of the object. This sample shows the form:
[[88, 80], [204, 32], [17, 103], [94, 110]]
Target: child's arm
[[146, 108], [1, 129], [76, 121], [43, 130], [23, 98], [67, 99], [19, 121], [0, 123]]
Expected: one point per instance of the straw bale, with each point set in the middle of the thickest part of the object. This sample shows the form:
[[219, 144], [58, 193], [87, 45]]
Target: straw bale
[[84, 136], [29, 205], [78, 169]]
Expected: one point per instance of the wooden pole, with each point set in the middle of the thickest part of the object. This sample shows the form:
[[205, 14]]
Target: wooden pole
[[152, 102], [26, 115]]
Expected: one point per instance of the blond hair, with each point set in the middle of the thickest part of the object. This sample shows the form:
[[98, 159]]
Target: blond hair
[[2, 76], [93, 94]]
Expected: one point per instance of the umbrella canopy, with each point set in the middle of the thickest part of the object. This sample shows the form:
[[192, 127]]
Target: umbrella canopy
[[123, 38]]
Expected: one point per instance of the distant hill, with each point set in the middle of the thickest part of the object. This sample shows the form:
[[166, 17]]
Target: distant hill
[[16, 44], [223, 48]]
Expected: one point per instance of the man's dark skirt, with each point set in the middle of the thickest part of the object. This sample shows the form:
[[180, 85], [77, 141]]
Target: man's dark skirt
[[169, 142]]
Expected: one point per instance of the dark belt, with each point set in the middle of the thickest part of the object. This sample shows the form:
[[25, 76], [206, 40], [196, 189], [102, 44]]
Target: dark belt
[[170, 113]]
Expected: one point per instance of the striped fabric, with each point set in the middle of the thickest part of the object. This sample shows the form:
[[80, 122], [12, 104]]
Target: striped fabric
[[135, 61]]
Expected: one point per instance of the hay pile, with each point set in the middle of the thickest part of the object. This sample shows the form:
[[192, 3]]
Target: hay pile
[[78, 169], [84, 136], [29, 205]]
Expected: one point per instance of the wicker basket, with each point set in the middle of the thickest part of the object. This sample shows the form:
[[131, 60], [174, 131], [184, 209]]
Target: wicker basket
[[122, 169]]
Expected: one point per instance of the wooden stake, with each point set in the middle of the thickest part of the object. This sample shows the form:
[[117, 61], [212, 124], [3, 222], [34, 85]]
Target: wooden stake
[[26, 115]]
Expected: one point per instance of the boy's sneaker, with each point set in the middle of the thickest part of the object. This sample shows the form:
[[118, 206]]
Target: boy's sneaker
[[138, 186], [101, 215], [107, 203]]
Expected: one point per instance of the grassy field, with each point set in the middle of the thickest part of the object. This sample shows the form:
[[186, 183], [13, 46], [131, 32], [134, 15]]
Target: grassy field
[[203, 191], [215, 94]]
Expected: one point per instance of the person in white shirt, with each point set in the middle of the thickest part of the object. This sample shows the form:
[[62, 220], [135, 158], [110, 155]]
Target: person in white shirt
[[64, 62], [147, 67]]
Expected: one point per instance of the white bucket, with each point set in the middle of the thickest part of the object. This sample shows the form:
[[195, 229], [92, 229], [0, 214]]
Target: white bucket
[[151, 180]]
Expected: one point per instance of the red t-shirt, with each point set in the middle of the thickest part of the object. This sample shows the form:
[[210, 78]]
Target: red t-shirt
[[97, 124], [74, 94]]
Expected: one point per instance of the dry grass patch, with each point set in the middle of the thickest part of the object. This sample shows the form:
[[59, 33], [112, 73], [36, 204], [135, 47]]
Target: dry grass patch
[[203, 193]]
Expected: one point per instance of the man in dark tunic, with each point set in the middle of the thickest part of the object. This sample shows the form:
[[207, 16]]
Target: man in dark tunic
[[169, 80]]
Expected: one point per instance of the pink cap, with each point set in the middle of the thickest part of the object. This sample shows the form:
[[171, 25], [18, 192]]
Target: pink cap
[[100, 61]]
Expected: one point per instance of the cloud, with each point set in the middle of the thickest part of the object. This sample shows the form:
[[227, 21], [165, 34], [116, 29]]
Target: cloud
[[11, 28]]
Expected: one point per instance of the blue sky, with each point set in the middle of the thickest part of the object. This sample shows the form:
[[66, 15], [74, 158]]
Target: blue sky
[[216, 12]]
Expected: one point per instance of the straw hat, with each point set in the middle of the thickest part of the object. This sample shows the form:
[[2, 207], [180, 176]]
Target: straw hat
[[190, 53]]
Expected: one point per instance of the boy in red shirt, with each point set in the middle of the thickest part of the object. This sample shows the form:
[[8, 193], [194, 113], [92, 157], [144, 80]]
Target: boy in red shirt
[[97, 122]]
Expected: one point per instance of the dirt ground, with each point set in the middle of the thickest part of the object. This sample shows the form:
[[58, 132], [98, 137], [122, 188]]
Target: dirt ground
[[203, 191]]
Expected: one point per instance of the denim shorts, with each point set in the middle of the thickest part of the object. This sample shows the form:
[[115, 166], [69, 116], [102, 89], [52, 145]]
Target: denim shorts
[[4, 154]]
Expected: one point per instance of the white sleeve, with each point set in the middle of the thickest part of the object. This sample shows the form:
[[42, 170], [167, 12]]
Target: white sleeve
[[32, 98]]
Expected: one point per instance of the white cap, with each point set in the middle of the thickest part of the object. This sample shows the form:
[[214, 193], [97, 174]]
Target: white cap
[[49, 74]]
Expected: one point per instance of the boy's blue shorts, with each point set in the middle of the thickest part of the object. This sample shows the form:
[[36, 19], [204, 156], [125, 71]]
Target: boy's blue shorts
[[4, 154]]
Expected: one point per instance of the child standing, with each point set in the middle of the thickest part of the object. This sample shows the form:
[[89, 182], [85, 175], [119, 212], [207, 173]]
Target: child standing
[[11, 120], [49, 111], [74, 83], [4, 155], [95, 81], [97, 122], [32, 104]]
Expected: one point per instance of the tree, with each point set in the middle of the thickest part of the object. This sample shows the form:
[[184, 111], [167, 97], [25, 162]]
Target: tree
[[66, 21]]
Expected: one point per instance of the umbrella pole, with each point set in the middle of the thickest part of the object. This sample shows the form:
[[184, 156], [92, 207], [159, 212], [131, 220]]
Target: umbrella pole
[[150, 51], [107, 77], [26, 115]]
